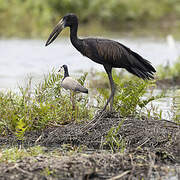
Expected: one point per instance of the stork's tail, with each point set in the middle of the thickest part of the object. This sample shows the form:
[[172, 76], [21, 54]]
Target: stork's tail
[[142, 68]]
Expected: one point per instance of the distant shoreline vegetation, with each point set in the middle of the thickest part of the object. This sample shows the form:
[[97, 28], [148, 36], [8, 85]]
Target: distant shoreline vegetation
[[32, 18]]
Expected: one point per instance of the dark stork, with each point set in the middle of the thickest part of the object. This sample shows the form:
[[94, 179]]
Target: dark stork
[[69, 83], [109, 53]]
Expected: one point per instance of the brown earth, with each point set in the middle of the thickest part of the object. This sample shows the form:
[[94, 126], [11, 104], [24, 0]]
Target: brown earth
[[152, 150]]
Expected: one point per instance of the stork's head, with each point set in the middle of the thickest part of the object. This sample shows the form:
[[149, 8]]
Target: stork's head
[[67, 21]]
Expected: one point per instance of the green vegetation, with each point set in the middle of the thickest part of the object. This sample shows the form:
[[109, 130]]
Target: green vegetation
[[36, 18], [129, 93], [45, 105], [13, 154], [169, 72], [176, 106], [48, 104], [116, 143]]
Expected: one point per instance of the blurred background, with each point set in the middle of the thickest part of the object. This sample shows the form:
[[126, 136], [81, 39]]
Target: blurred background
[[35, 18], [149, 27]]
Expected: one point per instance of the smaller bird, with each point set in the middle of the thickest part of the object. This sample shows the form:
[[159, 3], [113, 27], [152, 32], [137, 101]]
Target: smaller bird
[[69, 83]]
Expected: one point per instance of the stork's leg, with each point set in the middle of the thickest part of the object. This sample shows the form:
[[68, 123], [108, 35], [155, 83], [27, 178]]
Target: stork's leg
[[111, 97]]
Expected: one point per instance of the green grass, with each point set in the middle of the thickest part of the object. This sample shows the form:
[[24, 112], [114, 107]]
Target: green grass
[[13, 154], [176, 106], [114, 141], [47, 104]]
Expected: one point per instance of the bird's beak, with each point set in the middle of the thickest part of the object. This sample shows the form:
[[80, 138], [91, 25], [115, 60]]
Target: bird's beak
[[60, 69], [58, 28]]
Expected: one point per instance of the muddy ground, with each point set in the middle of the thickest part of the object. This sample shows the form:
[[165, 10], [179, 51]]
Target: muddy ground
[[152, 150]]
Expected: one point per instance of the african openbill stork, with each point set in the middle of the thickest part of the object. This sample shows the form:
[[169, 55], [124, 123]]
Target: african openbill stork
[[69, 83], [109, 53]]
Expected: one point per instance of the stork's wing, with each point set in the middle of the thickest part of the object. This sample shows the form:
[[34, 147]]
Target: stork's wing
[[117, 55]]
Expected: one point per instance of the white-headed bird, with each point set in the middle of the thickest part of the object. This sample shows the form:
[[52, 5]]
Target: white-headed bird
[[69, 83]]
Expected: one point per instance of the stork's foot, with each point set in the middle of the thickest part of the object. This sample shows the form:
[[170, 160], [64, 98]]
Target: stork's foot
[[111, 107], [107, 104], [110, 100], [106, 114]]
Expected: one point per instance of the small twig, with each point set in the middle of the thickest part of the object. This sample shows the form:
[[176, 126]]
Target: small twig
[[23, 171], [54, 124], [133, 167], [16, 166], [38, 138], [143, 143], [152, 160], [119, 176], [10, 168]]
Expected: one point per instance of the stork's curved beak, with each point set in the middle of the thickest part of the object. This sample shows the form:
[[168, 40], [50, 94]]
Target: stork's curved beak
[[58, 28]]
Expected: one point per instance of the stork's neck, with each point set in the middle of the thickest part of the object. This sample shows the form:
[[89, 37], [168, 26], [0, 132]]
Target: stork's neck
[[77, 43]]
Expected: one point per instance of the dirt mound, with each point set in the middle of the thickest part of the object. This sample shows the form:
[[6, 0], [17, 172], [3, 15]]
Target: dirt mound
[[137, 132], [152, 149]]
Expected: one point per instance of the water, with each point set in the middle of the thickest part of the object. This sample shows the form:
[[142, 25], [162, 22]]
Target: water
[[20, 58], [167, 106]]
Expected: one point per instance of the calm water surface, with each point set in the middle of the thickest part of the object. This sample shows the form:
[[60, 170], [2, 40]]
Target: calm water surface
[[22, 58]]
